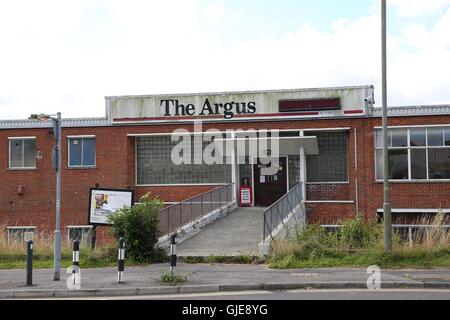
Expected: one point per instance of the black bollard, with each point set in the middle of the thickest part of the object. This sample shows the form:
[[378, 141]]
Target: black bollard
[[76, 253], [121, 267], [173, 253], [29, 262]]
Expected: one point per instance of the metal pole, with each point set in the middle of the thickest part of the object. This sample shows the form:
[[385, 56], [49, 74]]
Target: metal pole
[[30, 263], [356, 171], [387, 205], [57, 249], [179, 224]]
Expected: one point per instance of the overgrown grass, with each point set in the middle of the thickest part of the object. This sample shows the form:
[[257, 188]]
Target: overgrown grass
[[13, 254], [359, 243], [172, 280]]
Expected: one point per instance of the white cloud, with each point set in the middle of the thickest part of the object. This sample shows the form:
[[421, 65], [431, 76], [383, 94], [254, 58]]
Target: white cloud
[[214, 12], [415, 8], [69, 58]]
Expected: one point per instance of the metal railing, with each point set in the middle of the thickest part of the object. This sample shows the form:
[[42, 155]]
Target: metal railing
[[407, 232], [275, 214], [173, 217]]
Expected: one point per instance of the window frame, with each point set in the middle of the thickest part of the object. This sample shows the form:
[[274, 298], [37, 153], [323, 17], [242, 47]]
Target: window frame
[[192, 134], [82, 138], [10, 139], [409, 147], [347, 131], [88, 228], [17, 228]]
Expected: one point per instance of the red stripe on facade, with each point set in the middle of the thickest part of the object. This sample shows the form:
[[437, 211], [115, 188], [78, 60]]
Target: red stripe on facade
[[216, 117], [354, 112]]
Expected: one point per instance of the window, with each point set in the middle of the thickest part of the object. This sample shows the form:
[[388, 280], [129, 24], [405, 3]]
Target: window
[[82, 152], [22, 153], [155, 166], [20, 234], [415, 154], [80, 233], [331, 164]]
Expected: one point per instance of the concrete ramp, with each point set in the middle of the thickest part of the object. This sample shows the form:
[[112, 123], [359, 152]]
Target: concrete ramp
[[238, 233]]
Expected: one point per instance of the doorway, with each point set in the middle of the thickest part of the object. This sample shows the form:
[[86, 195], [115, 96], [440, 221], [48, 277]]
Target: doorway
[[269, 188]]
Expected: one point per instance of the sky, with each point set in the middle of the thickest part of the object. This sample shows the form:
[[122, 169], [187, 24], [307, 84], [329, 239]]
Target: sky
[[66, 56]]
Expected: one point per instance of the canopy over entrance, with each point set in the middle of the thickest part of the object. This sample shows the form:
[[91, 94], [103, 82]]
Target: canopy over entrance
[[253, 147]]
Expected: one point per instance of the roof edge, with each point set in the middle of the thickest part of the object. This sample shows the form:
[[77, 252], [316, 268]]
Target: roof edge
[[239, 92]]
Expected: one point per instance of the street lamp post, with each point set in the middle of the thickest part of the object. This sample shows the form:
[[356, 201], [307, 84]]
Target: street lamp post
[[57, 166], [387, 205]]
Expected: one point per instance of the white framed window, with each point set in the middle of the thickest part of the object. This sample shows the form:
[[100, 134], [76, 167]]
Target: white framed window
[[415, 154], [21, 233], [80, 233], [22, 153], [82, 151]]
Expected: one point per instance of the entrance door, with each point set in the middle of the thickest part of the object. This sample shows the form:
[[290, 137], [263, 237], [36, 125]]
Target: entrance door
[[269, 189]]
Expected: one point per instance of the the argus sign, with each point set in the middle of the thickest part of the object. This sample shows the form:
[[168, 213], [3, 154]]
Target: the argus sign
[[103, 202], [228, 109]]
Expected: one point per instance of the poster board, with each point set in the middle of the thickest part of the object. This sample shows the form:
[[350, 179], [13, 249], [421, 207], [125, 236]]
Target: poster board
[[104, 202]]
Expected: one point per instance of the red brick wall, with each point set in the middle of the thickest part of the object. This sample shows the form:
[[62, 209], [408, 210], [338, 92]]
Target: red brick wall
[[116, 169], [326, 192], [329, 213]]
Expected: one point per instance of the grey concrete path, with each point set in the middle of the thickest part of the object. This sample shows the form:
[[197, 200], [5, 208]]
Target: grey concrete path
[[238, 233], [212, 278]]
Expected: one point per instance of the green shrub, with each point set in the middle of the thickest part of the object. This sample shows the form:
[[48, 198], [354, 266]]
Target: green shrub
[[139, 226], [358, 233]]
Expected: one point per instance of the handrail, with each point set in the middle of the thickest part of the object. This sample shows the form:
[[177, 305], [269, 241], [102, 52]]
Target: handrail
[[173, 217], [281, 209], [396, 226], [200, 194], [282, 198]]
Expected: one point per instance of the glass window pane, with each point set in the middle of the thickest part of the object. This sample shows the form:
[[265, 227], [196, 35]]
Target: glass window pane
[[418, 164], [155, 165], [399, 138], [418, 138], [29, 153], [439, 163], [447, 136], [88, 152], [75, 146], [398, 164], [380, 174], [379, 138], [435, 137], [331, 164], [16, 153]]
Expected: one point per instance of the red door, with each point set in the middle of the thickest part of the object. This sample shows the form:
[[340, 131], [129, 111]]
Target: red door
[[269, 189]]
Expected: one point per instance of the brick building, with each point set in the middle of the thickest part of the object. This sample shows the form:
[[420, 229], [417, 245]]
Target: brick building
[[329, 141]]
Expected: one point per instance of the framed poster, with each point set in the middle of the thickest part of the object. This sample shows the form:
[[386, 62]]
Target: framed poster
[[104, 202]]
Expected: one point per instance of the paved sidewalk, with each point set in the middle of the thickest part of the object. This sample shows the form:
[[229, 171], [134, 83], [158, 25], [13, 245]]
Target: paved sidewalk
[[238, 233], [212, 278]]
